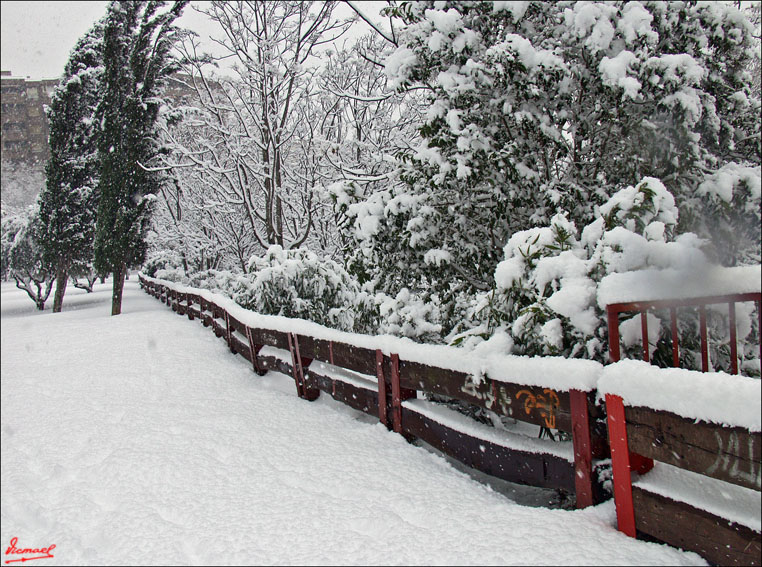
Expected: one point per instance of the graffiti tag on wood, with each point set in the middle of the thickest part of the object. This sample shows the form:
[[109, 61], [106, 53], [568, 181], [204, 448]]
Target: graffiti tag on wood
[[546, 405], [729, 464]]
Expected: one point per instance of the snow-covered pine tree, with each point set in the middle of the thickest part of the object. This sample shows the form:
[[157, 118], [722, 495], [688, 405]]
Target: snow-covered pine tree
[[67, 203], [537, 107], [138, 40]]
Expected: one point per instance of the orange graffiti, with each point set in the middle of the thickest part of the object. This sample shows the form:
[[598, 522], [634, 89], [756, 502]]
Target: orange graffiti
[[546, 405]]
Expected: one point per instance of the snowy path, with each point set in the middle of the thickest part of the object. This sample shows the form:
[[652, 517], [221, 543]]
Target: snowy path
[[139, 439]]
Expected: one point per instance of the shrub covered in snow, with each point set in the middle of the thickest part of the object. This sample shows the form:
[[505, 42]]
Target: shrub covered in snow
[[410, 315], [298, 283]]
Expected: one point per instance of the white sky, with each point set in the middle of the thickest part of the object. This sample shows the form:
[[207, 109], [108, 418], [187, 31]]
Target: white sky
[[36, 37]]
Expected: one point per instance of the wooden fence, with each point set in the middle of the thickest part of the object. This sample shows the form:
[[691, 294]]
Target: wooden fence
[[386, 386], [730, 454], [389, 391], [640, 435]]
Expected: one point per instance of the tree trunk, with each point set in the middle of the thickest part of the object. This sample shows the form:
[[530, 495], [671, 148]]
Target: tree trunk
[[116, 296], [62, 278]]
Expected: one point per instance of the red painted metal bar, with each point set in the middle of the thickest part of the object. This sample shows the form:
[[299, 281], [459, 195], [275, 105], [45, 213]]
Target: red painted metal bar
[[583, 454], [644, 331], [620, 465], [613, 319], [396, 401], [704, 339], [667, 303], [383, 418], [675, 339], [759, 329], [733, 338]]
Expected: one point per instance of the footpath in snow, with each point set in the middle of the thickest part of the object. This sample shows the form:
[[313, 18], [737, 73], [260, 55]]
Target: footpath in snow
[[140, 439]]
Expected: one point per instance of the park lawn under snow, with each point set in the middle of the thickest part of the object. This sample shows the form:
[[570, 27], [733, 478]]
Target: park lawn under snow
[[139, 439]]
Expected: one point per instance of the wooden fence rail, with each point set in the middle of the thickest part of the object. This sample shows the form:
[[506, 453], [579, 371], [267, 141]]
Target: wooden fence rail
[[729, 454], [385, 385], [384, 382]]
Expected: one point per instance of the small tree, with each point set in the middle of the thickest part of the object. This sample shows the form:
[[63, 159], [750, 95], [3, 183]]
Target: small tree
[[138, 39], [67, 203], [28, 266]]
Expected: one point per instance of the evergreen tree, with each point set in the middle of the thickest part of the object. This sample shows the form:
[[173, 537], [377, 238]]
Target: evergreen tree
[[138, 40], [67, 203], [540, 107]]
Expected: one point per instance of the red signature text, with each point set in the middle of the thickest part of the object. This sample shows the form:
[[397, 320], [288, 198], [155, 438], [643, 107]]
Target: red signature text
[[42, 552]]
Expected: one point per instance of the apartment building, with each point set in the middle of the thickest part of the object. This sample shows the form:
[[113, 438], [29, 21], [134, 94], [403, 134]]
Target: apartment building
[[23, 121]]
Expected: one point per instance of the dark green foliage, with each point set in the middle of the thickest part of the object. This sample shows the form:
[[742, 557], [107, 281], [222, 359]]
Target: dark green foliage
[[138, 40], [68, 201]]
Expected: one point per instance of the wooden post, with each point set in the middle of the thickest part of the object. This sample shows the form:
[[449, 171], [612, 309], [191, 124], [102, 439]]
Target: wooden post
[[583, 454], [228, 334], [254, 350], [189, 305], [298, 365], [382, 417], [398, 394], [294, 365], [620, 465]]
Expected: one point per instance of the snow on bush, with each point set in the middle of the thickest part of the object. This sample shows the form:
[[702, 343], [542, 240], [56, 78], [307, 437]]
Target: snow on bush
[[546, 286], [297, 283]]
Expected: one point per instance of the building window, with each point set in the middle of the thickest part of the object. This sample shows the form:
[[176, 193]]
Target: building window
[[32, 93]]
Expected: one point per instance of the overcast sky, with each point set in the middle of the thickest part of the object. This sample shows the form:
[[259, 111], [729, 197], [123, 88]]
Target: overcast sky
[[36, 37]]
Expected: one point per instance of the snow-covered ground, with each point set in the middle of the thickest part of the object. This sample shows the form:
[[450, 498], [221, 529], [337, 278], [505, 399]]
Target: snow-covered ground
[[139, 439]]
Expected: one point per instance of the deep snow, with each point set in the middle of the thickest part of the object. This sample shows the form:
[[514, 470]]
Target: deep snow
[[139, 439]]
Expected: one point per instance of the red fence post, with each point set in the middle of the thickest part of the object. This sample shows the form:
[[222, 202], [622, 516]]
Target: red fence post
[[675, 341], [644, 332], [254, 350], [298, 364], [228, 333], [620, 465], [399, 394], [733, 338], [704, 339], [383, 418], [583, 453], [613, 320]]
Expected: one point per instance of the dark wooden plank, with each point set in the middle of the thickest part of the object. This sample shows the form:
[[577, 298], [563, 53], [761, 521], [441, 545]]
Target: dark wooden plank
[[355, 397], [535, 469], [236, 325], [681, 525], [541, 406], [729, 454], [269, 337], [359, 359], [273, 363], [238, 346], [315, 349]]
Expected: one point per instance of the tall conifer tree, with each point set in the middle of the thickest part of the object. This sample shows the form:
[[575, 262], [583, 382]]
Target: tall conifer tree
[[138, 40], [67, 203]]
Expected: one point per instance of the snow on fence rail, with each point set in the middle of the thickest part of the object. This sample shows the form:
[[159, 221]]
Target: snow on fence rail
[[382, 376], [703, 495], [649, 290]]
